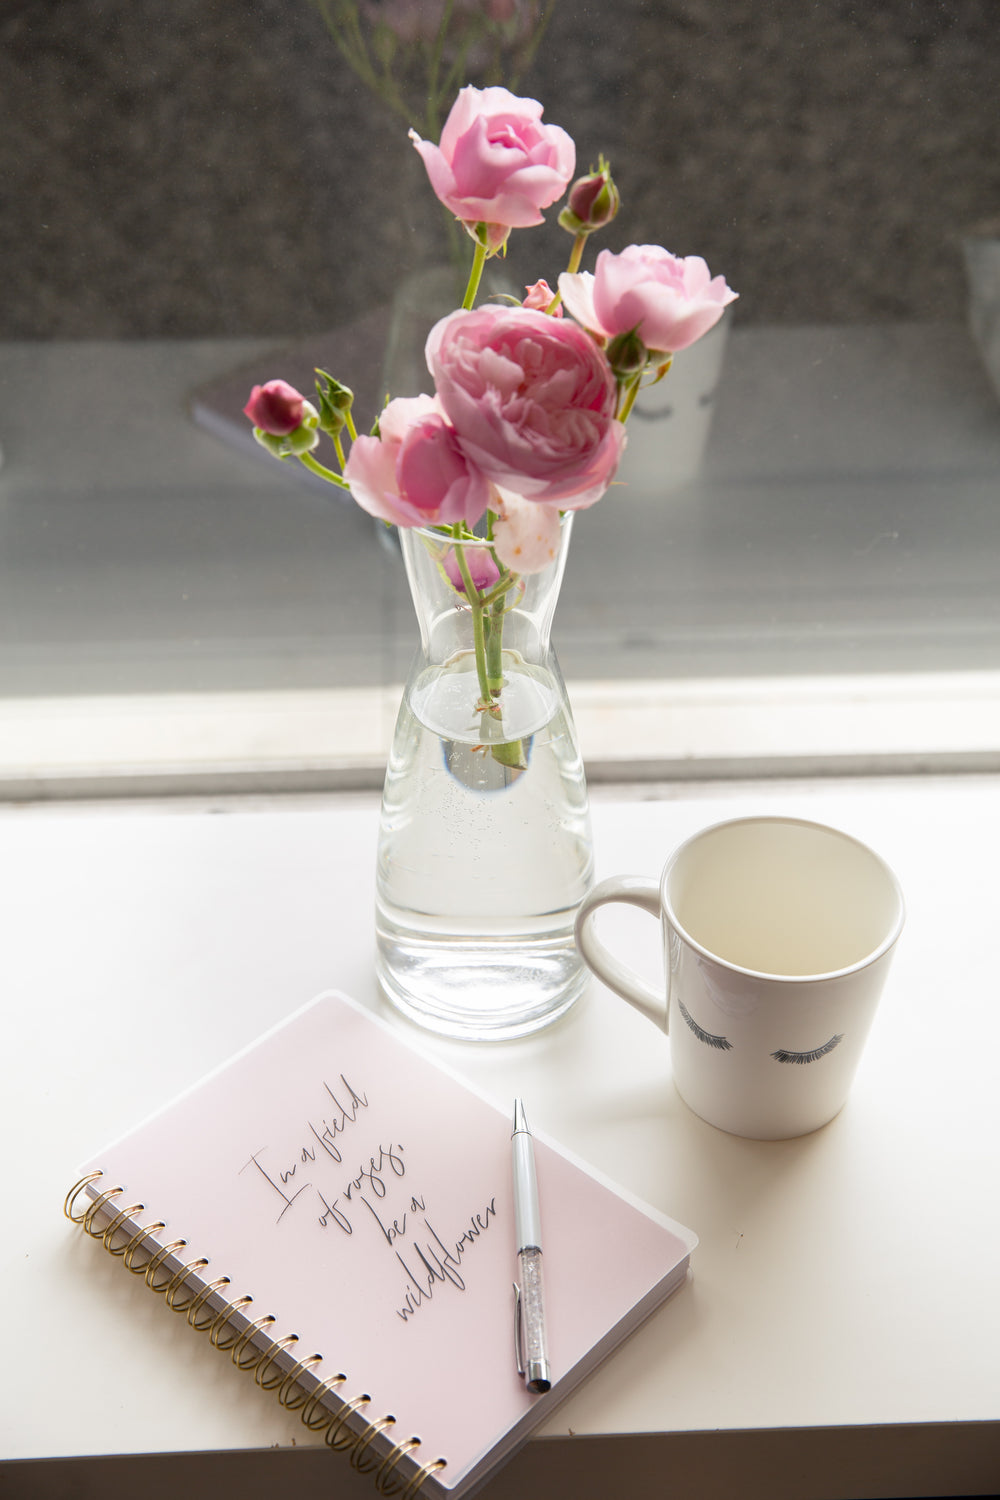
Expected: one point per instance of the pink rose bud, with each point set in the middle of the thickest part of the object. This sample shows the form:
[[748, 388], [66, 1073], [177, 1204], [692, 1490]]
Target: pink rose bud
[[481, 563], [497, 164], [540, 294], [292, 444], [276, 408], [335, 402], [593, 202], [627, 354]]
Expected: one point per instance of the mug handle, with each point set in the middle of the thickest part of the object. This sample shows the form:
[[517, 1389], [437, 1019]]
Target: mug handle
[[634, 890]]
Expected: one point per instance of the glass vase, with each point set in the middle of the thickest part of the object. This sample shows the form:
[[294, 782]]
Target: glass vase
[[485, 848]]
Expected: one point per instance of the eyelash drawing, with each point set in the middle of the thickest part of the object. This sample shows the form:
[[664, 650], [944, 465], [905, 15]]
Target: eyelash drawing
[[784, 1056], [707, 1037]]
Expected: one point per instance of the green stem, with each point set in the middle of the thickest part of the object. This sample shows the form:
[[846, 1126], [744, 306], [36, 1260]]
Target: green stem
[[488, 612], [494, 648], [572, 266], [631, 391], [476, 274], [324, 473], [576, 254], [499, 589], [478, 633]]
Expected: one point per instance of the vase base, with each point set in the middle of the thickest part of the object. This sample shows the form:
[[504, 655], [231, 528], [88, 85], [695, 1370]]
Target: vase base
[[480, 991]]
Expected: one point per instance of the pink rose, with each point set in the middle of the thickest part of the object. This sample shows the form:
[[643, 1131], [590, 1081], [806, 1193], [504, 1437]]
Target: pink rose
[[276, 407], [540, 294], [671, 300], [532, 400], [415, 473], [497, 163]]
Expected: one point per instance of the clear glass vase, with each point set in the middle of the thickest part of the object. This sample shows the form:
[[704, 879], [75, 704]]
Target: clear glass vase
[[485, 848]]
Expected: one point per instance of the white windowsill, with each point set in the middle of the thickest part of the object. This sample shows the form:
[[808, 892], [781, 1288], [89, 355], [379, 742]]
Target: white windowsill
[[339, 738]]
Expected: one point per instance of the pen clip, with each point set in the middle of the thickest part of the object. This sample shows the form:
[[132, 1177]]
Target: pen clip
[[518, 1333]]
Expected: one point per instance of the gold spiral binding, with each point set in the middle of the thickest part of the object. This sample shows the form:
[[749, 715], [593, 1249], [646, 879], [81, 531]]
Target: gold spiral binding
[[271, 1382], [290, 1384], [177, 1281], [386, 1482], [243, 1343], [128, 1255], [358, 1460], [338, 1435], [221, 1325], [156, 1261], [308, 1414], [410, 1489], [74, 1193], [101, 1201], [197, 1305], [245, 1354], [113, 1227]]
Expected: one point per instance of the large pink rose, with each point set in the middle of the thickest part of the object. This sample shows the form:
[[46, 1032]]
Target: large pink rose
[[415, 473], [497, 163], [671, 300], [532, 399]]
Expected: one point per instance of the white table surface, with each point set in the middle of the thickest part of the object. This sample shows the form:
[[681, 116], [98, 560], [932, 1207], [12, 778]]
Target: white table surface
[[845, 1283]]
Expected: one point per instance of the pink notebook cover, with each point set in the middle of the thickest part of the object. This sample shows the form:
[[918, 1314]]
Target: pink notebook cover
[[362, 1195]]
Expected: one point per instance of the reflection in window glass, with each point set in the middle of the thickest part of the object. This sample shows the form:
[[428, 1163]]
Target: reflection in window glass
[[191, 188]]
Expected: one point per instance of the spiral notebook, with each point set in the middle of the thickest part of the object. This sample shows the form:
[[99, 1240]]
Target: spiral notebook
[[334, 1211]]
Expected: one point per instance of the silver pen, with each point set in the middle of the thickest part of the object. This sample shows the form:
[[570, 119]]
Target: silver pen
[[529, 1306]]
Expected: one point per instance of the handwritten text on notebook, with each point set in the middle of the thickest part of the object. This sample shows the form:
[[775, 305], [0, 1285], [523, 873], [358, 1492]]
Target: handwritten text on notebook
[[400, 1217]]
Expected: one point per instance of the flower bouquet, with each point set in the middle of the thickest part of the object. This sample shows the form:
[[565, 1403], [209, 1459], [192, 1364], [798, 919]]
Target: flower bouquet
[[485, 845], [414, 54]]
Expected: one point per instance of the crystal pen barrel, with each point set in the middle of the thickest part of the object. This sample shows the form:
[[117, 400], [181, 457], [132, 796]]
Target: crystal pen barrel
[[533, 1362]]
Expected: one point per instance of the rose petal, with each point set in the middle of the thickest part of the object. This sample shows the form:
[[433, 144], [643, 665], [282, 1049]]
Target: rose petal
[[526, 536]]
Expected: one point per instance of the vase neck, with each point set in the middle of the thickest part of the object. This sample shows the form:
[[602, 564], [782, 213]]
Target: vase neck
[[464, 596]]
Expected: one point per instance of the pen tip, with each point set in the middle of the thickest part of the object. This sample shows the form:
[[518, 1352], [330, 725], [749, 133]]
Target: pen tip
[[520, 1123]]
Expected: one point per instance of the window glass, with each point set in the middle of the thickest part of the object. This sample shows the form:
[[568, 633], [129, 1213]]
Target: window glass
[[202, 195]]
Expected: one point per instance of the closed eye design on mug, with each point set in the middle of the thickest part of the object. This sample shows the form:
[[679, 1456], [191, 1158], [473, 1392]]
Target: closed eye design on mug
[[722, 1043], [783, 1054], [807, 1057]]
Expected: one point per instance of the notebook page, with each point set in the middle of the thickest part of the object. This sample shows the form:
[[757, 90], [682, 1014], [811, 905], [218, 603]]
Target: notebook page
[[362, 1196]]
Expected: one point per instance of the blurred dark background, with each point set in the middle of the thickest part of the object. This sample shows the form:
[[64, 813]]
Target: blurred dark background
[[214, 167]]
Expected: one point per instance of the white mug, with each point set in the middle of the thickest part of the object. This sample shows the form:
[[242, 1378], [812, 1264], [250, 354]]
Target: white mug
[[777, 936]]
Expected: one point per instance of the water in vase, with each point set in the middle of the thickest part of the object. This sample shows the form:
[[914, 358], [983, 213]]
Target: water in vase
[[484, 853]]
